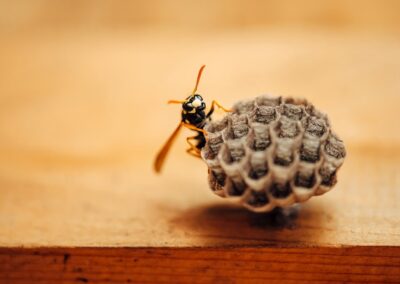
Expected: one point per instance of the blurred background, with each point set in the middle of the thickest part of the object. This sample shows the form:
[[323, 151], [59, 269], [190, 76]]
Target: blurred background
[[103, 15], [84, 84]]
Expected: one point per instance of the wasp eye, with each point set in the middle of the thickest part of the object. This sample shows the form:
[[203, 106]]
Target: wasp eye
[[187, 107]]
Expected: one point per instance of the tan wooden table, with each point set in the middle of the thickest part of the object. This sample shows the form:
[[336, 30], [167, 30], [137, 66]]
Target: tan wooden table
[[82, 116]]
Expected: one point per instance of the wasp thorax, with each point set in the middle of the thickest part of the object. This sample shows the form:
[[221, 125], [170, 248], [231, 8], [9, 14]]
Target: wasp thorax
[[272, 152]]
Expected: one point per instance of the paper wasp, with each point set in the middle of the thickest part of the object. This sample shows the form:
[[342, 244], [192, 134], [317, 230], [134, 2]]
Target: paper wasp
[[193, 117]]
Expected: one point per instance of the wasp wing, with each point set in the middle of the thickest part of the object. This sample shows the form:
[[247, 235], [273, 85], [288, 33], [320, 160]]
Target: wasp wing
[[159, 161]]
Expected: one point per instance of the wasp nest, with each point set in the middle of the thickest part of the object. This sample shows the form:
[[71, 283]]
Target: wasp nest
[[272, 152]]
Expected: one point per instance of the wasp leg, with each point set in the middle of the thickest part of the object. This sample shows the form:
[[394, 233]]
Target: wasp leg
[[189, 139], [215, 103], [187, 125], [193, 150]]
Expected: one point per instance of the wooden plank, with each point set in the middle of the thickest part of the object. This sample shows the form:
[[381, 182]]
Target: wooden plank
[[192, 265]]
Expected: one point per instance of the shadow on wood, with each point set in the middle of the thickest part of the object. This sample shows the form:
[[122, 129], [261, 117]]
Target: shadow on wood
[[281, 227]]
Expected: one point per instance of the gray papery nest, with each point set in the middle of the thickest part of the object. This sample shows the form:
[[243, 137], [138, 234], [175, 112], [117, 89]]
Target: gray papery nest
[[272, 152]]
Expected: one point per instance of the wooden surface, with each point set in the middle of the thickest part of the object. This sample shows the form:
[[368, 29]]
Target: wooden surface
[[82, 116], [208, 265]]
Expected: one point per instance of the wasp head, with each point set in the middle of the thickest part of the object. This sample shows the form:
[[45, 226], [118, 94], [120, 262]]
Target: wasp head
[[193, 104]]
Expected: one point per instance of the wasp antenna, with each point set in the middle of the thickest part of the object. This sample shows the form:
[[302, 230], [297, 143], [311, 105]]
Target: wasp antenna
[[175, 102], [198, 79]]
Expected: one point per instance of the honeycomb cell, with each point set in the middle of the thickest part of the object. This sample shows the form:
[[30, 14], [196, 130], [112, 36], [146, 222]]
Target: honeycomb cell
[[234, 152], [305, 179], [268, 100], [310, 150], [287, 128], [280, 190], [259, 139], [258, 167], [335, 147], [218, 178], [243, 107], [315, 126], [257, 199], [293, 112], [283, 157], [239, 126], [263, 114], [328, 175], [235, 188], [216, 126]]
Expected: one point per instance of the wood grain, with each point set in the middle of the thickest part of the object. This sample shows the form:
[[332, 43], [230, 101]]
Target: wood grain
[[82, 116], [191, 265]]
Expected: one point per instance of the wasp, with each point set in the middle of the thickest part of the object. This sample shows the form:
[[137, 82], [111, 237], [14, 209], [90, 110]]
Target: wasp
[[193, 117]]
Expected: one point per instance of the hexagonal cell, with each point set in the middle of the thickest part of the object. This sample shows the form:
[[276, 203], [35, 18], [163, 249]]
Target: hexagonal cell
[[280, 190], [322, 189], [258, 172], [239, 126], [257, 199], [310, 150], [214, 145], [232, 152], [334, 147], [208, 154], [283, 155], [263, 114], [287, 134], [287, 128], [235, 188], [243, 107], [257, 168], [267, 100], [315, 126], [302, 194], [214, 138], [328, 175], [259, 138], [305, 179], [313, 112], [216, 126], [295, 101], [217, 179], [293, 112]]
